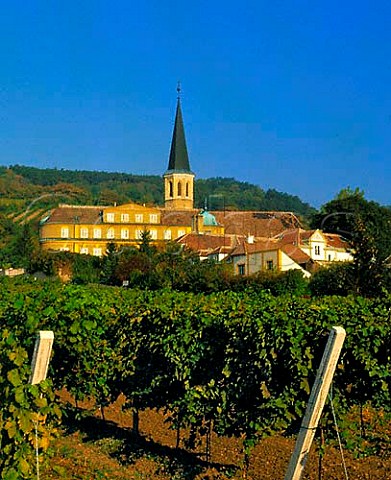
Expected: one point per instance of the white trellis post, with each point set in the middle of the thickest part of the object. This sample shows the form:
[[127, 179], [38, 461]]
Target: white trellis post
[[39, 370], [315, 404], [41, 356]]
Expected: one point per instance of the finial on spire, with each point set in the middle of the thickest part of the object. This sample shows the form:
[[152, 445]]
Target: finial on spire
[[178, 89]]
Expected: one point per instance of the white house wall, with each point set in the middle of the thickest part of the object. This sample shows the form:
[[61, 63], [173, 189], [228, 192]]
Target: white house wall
[[317, 243], [288, 264], [333, 255]]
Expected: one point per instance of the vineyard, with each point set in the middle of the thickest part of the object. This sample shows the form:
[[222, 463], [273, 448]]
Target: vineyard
[[220, 365]]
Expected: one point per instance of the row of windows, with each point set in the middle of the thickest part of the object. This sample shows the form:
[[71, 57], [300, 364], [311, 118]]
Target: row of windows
[[97, 252], [124, 233], [138, 217]]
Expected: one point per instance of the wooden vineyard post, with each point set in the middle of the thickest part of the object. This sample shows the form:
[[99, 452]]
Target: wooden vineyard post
[[41, 356], [315, 404], [39, 370]]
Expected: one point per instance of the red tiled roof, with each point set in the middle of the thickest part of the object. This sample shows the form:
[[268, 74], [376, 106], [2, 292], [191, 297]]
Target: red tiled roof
[[75, 214], [178, 217], [209, 243], [259, 245], [296, 254], [259, 224], [298, 235], [291, 236], [295, 236], [224, 249], [336, 241]]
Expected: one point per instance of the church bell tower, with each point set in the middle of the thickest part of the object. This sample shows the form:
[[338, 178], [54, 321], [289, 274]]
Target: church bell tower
[[178, 179]]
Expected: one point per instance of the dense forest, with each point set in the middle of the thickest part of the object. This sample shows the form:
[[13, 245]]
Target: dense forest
[[19, 183]]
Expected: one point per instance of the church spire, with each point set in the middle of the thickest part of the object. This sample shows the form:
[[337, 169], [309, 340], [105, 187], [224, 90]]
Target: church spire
[[179, 158], [178, 179]]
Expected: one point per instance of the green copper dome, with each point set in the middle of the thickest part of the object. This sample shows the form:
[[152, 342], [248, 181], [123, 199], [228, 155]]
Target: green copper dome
[[209, 219]]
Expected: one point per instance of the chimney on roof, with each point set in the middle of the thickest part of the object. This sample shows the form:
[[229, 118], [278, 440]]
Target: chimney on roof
[[250, 239]]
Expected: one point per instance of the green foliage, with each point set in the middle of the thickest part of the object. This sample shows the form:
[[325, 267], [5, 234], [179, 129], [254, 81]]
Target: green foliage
[[367, 225], [83, 269], [180, 269], [168, 267], [336, 279], [227, 193], [28, 414], [109, 265], [236, 363], [24, 246], [84, 360], [291, 282], [8, 234]]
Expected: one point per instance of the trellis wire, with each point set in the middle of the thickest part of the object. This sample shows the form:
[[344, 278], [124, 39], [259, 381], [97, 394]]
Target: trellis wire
[[36, 448], [337, 430]]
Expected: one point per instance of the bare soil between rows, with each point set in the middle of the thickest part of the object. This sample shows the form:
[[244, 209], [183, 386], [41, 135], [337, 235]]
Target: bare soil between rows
[[91, 448]]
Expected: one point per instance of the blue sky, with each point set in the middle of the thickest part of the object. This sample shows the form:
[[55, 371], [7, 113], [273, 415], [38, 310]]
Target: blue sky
[[291, 95]]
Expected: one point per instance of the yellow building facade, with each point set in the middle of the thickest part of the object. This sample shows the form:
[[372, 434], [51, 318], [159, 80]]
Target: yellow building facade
[[88, 229]]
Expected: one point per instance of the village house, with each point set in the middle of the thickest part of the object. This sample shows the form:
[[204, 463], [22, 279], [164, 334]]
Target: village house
[[294, 249]]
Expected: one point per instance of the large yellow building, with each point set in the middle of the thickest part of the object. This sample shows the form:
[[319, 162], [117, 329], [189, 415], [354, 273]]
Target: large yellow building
[[88, 229]]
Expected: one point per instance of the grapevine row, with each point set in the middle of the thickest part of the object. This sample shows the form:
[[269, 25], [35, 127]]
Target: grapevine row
[[236, 363]]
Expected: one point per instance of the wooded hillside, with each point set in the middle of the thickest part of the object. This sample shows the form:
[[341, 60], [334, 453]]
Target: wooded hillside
[[19, 183]]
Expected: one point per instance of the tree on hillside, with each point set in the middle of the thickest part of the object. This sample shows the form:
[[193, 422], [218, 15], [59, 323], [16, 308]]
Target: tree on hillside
[[227, 193], [20, 248], [367, 226]]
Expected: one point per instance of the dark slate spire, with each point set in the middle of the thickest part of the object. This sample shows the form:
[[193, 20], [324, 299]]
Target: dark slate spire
[[179, 159]]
